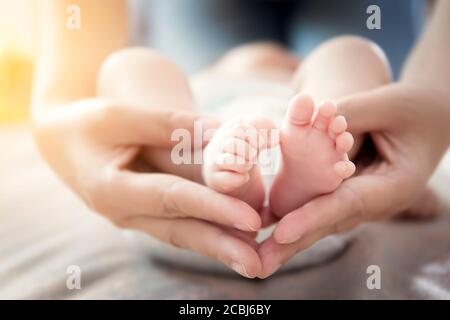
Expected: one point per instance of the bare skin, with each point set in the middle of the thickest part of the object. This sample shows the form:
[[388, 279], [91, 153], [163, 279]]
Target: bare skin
[[90, 143], [314, 150], [408, 122], [314, 140]]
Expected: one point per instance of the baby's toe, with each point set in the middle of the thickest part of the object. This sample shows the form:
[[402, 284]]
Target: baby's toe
[[260, 132], [337, 126], [344, 169], [344, 142], [232, 162], [243, 131], [327, 110], [300, 110], [266, 131], [240, 148]]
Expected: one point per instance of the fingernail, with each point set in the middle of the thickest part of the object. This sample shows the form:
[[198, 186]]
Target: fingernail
[[268, 274], [244, 227], [288, 240], [283, 237], [240, 268]]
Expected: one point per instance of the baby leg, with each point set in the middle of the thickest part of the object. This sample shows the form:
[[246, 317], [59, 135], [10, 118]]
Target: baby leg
[[314, 142], [341, 66], [231, 156], [142, 77]]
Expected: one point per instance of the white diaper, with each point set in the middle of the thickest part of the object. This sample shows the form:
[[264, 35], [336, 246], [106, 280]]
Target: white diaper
[[230, 98]]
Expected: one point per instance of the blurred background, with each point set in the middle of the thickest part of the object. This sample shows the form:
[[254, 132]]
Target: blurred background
[[17, 44], [181, 30], [44, 228]]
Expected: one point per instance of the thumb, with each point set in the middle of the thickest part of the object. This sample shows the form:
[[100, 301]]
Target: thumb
[[368, 111]]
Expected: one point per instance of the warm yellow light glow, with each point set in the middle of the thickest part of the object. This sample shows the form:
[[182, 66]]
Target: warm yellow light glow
[[16, 61], [15, 83]]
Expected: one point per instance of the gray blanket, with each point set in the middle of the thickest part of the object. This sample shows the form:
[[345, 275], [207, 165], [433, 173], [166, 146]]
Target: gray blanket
[[45, 231]]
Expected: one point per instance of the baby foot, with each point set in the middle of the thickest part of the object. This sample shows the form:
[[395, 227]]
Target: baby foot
[[314, 154], [231, 156]]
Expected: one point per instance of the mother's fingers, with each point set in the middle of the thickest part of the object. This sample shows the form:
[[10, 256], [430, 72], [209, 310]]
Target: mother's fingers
[[168, 196], [204, 238], [150, 126], [364, 197], [372, 110], [273, 254]]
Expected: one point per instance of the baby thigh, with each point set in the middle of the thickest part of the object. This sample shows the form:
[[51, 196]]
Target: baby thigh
[[341, 66], [142, 77]]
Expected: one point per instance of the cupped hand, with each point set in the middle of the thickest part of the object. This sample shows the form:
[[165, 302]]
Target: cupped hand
[[409, 127], [91, 145]]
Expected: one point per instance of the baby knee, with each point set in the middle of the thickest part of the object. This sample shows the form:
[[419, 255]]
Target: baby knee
[[356, 43], [372, 52], [127, 58], [136, 64]]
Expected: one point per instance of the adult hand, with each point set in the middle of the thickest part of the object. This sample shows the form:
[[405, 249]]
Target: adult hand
[[409, 126], [91, 144]]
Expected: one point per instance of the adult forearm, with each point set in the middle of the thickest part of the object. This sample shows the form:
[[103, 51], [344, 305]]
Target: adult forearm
[[68, 59], [428, 68], [428, 64]]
